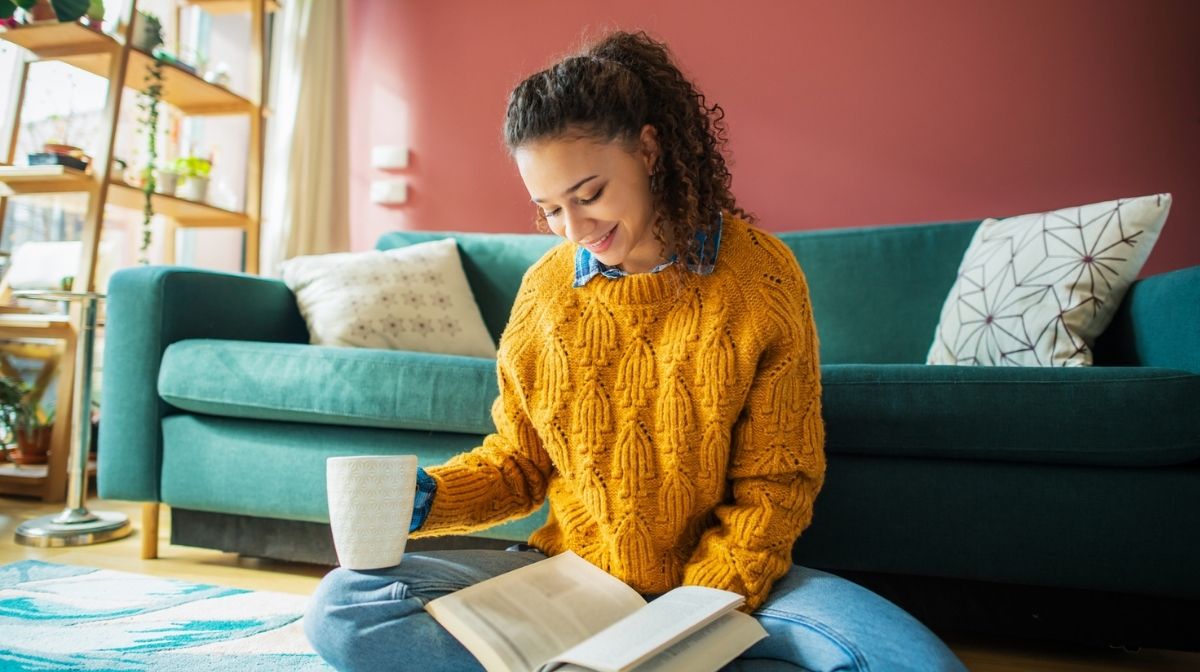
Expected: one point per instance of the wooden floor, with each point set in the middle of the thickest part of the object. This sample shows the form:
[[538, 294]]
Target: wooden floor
[[227, 569]]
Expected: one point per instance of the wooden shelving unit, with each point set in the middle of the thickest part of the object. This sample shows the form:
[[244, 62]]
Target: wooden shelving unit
[[124, 66]]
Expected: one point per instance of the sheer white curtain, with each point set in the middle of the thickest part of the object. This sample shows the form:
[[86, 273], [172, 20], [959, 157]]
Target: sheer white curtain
[[306, 185]]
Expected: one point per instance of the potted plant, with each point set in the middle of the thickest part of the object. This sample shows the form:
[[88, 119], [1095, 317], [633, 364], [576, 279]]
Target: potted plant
[[147, 32], [193, 175], [26, 422], [166, 179], [94, 17], [65, 11]]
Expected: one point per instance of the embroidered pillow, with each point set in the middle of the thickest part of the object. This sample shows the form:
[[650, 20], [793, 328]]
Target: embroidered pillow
[[1036, 290], [409, 298]]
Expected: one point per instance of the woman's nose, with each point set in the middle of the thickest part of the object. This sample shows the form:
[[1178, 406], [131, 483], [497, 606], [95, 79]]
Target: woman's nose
[[576, 226]]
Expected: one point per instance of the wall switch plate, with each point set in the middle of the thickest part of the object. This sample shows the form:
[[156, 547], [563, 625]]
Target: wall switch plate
[[389, 156], [389, 192]]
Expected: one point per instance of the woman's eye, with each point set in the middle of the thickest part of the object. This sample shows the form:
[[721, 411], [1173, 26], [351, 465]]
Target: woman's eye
[[589, 201], [548, 215]]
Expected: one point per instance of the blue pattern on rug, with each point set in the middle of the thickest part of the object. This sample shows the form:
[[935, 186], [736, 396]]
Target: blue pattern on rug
[[59, 617]]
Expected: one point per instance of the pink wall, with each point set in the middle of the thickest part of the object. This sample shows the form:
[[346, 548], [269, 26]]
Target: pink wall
[[847, 113]]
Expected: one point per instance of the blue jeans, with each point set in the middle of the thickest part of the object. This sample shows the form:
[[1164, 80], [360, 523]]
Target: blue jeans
[[375, 620]]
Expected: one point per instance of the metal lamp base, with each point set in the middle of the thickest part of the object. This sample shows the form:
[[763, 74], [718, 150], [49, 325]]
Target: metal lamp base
[[48, 531]]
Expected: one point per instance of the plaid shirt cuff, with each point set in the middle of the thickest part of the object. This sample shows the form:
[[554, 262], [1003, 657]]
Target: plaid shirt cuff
[[423, 502]]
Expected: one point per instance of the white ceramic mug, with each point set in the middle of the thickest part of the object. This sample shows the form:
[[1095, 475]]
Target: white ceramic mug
[[370, 508]]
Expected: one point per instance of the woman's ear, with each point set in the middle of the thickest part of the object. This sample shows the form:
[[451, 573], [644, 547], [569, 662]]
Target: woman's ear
[[650, 153]]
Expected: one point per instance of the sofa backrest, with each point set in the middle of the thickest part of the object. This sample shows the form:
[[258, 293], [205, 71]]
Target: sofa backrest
[[877, 292]]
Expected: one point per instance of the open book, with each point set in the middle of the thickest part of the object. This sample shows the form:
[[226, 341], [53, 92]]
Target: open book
[[564, 613]]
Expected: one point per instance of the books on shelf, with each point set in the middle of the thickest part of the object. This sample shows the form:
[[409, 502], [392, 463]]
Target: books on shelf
[[564, 613]]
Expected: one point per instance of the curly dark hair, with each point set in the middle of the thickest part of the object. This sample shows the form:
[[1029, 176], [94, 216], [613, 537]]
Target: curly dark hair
[[609, 92]]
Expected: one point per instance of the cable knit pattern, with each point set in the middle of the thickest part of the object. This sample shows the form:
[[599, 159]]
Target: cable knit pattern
[[674, 424]]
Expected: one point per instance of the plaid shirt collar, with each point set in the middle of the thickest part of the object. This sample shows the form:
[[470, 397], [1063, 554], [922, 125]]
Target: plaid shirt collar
[[587, 266]]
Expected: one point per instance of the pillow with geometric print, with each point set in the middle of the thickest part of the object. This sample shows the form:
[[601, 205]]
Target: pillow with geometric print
[[1036, 290], [409, 298]]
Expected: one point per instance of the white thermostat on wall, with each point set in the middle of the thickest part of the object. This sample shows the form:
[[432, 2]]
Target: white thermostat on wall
[[389, 192], [389, 157]]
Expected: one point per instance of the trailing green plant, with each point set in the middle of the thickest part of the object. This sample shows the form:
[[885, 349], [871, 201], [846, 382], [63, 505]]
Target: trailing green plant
[[148, 103], [66, 10]]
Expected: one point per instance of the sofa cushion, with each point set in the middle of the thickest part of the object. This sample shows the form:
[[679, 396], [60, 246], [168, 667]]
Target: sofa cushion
[[494, 264], [414, 298], [330, 385], [277, 469], [1036, 290], [1115, 416]]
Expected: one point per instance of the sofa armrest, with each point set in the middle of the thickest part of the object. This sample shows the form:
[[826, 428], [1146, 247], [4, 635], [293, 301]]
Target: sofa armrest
[[148, 309], [1158, 324]]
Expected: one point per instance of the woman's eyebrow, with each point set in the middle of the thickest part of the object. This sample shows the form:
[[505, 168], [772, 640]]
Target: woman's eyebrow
[[577, 185]]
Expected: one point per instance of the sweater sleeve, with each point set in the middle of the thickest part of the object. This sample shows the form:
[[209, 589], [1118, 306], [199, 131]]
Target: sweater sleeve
[[777, 459], [507, 476]]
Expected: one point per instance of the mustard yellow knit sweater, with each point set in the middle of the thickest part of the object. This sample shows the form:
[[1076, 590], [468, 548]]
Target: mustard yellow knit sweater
[[675, 426]]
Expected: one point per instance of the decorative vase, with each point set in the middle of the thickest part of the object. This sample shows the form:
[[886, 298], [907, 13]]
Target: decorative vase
[[33, 447], [193, 188]]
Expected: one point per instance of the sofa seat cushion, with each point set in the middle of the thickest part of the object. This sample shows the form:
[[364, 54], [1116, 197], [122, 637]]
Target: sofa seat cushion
[[1114, 416], [277, 470], [330, 385]]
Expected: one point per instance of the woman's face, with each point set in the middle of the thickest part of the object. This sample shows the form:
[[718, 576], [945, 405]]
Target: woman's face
[[597, 195]]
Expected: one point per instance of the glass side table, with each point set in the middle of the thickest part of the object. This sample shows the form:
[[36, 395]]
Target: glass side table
[[76, 526]]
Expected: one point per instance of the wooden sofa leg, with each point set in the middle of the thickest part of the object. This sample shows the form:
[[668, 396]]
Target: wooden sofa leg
[[149, 530]]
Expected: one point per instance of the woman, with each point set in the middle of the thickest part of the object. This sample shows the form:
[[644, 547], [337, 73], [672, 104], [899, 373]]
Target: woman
[[659, 384]]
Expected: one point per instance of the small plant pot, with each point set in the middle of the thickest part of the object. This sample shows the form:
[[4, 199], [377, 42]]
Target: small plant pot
[[147, 34], [33, 446], [166, 183], [42, 11], [193, 188]]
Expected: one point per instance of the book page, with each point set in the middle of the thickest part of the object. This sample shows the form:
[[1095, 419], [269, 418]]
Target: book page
[[714, 646], [519, 620], [666, 621]]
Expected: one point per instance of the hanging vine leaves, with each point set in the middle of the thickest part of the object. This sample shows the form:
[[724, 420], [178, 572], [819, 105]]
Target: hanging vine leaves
[[148, 102]]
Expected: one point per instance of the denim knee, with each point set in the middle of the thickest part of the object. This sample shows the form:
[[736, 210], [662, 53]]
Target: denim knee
[[821, 621], [332, 638]]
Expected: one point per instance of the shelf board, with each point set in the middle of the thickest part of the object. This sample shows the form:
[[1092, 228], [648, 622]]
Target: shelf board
[[28, 479], [75, 44], [186, 213], [19, 180], [230, 6], [181, 89], [50, 39]]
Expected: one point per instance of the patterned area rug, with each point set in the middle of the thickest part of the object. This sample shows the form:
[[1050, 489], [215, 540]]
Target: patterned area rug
[[59, 617]]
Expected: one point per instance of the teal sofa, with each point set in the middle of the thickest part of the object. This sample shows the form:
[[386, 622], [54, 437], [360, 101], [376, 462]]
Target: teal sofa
[[1081, 479]]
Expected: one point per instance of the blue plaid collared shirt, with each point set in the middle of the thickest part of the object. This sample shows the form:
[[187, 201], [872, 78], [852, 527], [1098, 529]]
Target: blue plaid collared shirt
[[708, 242], [426, 486]]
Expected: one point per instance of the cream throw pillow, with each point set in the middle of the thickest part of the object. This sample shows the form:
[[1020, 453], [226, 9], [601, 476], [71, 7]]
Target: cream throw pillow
[[1036, 290], [409, 298]]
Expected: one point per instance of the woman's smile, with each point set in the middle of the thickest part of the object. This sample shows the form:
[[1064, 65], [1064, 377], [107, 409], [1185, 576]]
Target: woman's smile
[[602, 244]]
